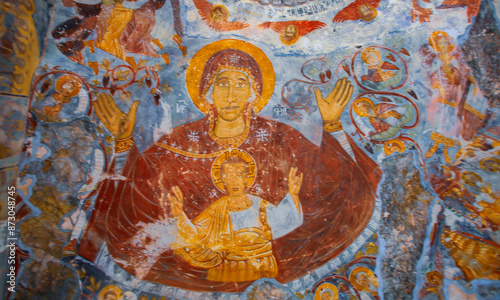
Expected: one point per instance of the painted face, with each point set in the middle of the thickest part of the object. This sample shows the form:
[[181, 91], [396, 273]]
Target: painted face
[[365, 12], [291, 31], [234, 176], [68, 88], [327, 296], [443, 45], [367, 281], [110, 296], [366, 109], [493, 166], [217, 15], [230, 94], [395, 148], [372, 59]]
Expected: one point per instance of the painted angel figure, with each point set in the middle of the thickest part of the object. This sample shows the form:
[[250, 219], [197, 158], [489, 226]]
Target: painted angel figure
[[385, 118], [456, 97], [365, 10], [121, 30], [216, 16], [381, 74], [291, 31], [61, 105]]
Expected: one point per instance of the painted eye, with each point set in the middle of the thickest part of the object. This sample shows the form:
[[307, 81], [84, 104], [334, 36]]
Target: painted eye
[[222, 83], [241, 84]]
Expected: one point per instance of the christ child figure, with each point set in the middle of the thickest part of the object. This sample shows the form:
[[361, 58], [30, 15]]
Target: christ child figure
[[232, 238]]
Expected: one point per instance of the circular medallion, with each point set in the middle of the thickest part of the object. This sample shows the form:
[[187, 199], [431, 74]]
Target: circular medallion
[[359, 282], [394, 145], [326, 291], [68, 85], [490, 164], [110, 292]]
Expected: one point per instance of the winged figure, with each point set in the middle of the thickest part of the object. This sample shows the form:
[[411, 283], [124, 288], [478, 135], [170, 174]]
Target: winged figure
[[216, 16], [359, 9], [291, 31]]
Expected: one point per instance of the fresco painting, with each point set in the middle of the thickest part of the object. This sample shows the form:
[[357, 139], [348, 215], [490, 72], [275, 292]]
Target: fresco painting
[[322, 149]]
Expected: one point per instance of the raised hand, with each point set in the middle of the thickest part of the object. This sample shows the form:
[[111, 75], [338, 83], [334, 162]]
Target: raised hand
[[120, 124], [294, 181], [332, 106], [176, 201]]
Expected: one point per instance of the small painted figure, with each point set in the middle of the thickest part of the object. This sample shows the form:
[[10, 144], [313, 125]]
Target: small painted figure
[[463, 108], [111, 28], [216, 16], [365, 281], [67, 86], [326, 291], [386, 118], [232, 237], [378, 70], [364, 10], [291, 31]]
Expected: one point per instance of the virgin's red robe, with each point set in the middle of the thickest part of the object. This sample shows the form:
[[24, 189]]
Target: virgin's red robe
[[337, 197]]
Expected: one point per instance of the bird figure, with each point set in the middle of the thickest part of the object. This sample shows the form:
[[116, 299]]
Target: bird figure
[[216, 16], [291, 31]]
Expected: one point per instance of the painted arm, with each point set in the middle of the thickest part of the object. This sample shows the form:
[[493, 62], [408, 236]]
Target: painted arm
[[288, 215], [332, 106], [119, 124]]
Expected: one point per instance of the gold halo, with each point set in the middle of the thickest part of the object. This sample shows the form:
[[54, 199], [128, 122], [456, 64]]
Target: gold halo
[[483, 163], [324, 286], [197, 64], [67, 78], [352, 278], [365, 52], [217, 165], [439, 34], [355, 106], [114, 288], [396, 141]]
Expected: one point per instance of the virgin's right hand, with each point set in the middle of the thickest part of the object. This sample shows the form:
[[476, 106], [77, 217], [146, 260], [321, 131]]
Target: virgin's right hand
[[120, 124]]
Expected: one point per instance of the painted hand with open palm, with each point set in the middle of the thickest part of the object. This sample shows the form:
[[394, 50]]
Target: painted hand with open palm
[[120, 124], [332, 106]]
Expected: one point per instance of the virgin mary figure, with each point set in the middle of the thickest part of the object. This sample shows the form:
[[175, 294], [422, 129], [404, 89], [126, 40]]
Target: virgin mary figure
[[230, 81]]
